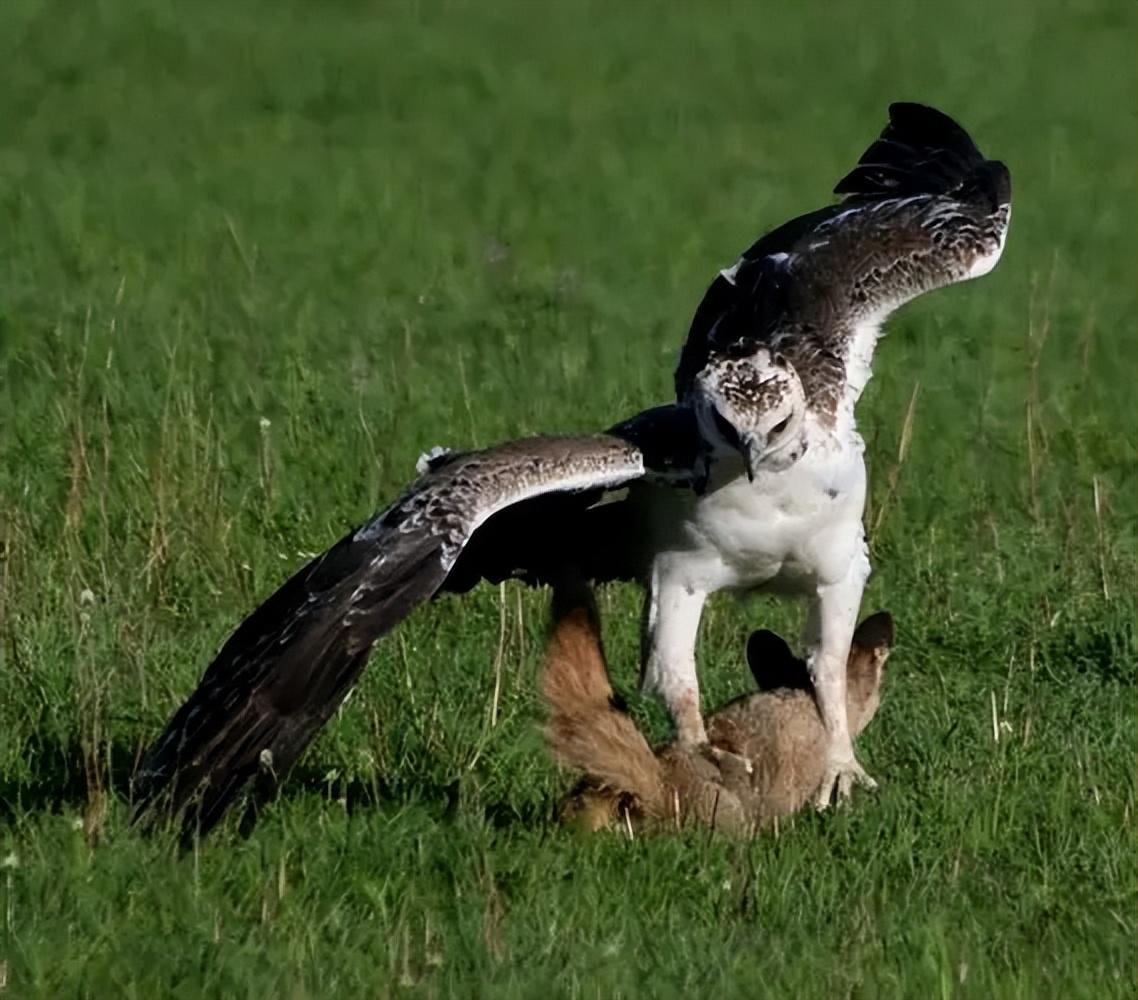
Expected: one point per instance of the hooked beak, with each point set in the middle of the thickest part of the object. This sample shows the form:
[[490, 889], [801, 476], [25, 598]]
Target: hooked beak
[[746, 444], [752, 454]]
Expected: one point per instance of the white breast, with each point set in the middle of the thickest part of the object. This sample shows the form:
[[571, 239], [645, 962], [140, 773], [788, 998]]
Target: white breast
[[788, 530]]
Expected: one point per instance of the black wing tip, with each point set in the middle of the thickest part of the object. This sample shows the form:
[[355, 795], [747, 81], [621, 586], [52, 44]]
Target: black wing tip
[[172, 793], [921, 151], [990, 183], [152, 781], [912, 119]]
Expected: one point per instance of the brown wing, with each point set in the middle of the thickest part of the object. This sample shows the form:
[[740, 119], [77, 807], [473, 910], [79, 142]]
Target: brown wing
[[289, 665], [923, 209]]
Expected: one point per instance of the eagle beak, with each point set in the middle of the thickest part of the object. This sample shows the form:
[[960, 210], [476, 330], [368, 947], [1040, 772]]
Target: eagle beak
[[752, 454]]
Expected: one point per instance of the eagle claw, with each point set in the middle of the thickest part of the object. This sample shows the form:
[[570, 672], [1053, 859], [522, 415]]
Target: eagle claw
[[840, 777]]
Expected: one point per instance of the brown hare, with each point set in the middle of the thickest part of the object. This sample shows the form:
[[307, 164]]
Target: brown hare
[[774, 739]]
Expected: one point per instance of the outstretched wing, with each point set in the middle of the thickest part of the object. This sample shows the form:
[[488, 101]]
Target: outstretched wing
[[289, 665], [922, 209], [600, 535]]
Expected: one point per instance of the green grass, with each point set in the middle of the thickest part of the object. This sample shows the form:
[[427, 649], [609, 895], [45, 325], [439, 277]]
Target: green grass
[[389, 226]]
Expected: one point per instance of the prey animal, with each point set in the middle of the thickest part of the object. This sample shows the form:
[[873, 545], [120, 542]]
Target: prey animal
[[776, 730]]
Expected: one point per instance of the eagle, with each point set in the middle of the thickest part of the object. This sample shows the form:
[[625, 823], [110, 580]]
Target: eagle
[[752, 479]]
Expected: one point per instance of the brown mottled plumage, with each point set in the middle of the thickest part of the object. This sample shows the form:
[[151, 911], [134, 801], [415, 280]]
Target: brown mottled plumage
[[923, 209]]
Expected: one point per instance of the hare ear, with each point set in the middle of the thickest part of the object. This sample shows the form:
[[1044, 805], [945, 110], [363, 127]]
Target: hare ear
[[772, 663], [875, 634], [780, 360]]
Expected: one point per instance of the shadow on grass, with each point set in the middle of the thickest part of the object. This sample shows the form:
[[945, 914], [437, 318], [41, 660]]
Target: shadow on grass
[[71, 775], [65, 782]]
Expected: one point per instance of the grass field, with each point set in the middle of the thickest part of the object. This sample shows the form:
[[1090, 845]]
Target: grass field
[[255, 258]]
